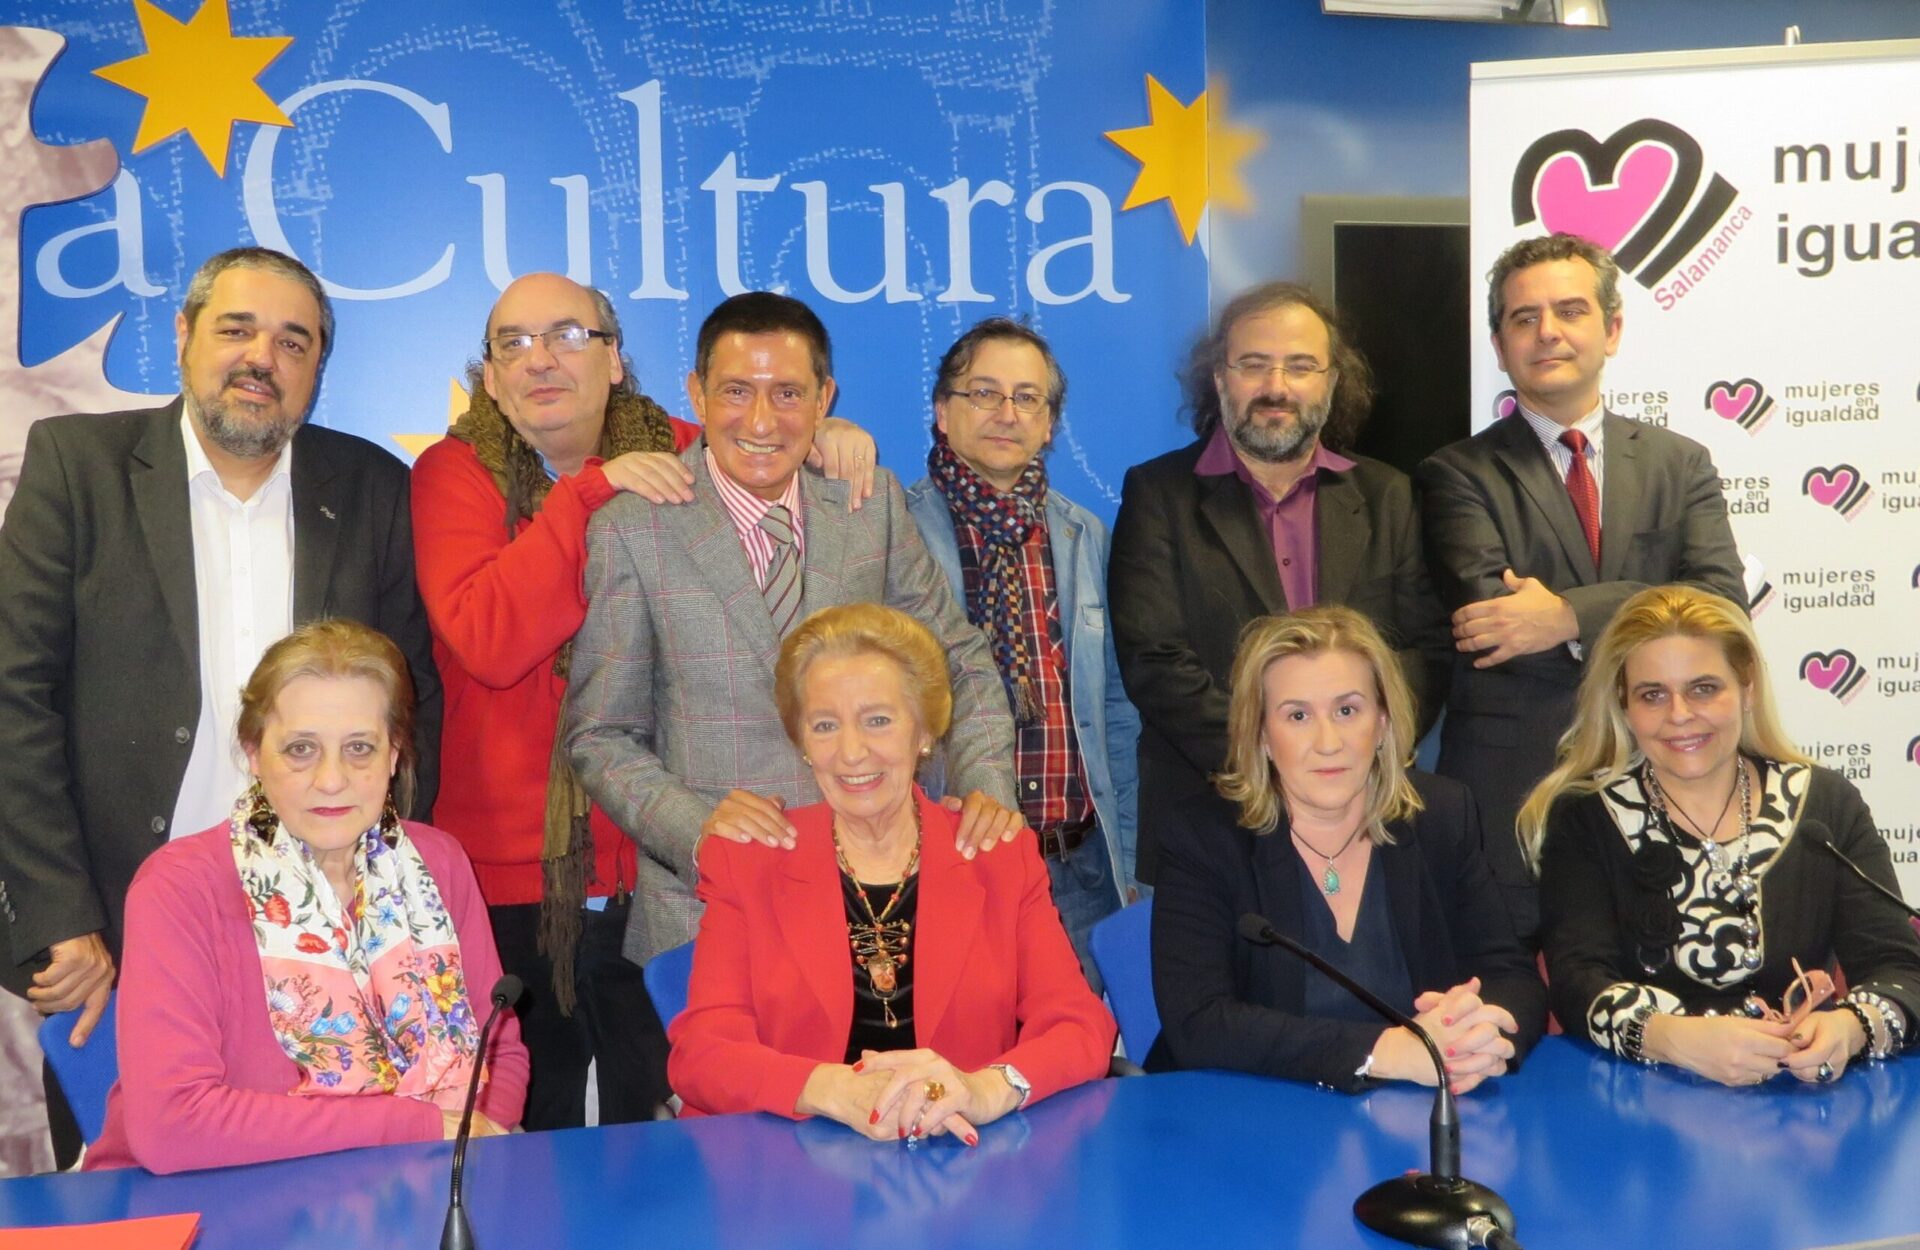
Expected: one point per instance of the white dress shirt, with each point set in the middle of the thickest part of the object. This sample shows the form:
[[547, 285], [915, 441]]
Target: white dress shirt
[[243, 595]]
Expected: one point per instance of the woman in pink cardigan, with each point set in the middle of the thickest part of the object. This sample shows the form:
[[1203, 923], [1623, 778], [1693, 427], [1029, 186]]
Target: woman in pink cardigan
[[311, 975]]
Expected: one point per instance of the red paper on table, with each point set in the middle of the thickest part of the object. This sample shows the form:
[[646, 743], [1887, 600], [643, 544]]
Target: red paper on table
[[155, 1232]]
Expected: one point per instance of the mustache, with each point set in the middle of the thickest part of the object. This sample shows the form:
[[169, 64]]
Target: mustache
[[1272, 405], [255, 375]]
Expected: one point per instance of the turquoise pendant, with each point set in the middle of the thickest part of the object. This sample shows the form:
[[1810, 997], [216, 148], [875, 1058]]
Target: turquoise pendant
[[1330, 881]]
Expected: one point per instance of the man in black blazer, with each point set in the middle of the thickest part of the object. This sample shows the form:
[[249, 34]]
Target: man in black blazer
[[107, 695], [1260, 513], [1531, 582]]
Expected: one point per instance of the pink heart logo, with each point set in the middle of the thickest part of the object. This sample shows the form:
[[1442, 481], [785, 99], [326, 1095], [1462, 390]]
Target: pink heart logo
[[1733, 402], [1824, 671], [1570, 202], [1827, 488]]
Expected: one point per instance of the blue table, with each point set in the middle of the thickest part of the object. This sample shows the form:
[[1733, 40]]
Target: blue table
[[1591, 1153]]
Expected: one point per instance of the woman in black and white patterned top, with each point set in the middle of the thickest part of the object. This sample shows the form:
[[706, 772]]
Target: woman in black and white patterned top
[[1681, 876]]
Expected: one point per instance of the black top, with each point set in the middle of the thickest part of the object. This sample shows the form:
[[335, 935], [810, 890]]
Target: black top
[[1372, 956], [1596, 921], [870, 1030], [1226, 1003]]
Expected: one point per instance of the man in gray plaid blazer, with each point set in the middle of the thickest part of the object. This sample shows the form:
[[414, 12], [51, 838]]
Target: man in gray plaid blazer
[[670, 717]]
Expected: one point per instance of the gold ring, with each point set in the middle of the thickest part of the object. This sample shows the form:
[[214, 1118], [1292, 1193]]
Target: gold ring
[[935, 1091]]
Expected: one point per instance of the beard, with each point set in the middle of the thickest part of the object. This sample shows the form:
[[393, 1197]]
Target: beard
[[234, 429], [1277, 443]]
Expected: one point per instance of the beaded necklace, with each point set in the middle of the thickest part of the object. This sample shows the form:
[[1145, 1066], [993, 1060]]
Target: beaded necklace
[[881, 944]]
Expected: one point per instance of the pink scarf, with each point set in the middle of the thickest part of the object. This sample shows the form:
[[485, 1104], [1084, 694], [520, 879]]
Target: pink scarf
[[375, 1004]]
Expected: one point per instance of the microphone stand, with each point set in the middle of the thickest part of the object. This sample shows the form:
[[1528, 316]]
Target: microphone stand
[[1437, 1208], [1819, 836], [457, 1233]]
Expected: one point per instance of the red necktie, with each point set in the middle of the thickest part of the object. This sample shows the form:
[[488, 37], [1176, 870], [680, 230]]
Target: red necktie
[[1584, 491]]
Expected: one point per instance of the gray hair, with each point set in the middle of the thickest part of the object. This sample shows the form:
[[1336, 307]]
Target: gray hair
[[200, 289], [1538, 251]]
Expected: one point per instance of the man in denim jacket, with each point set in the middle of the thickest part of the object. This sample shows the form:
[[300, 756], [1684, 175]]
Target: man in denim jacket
[[1031, 568]]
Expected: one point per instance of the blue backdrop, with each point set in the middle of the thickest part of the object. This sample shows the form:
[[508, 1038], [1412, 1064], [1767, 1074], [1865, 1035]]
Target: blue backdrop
[[905, 168]]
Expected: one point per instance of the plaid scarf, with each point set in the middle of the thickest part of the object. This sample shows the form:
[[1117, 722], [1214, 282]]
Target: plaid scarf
[[633, 423], [1004, 521]]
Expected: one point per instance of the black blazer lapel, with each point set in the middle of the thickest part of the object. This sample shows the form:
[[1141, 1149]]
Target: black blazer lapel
[[1276, 890], [158, 478], [1227, 507], [1343, 532], [1622, 487], [320, 504], [1527, 461]]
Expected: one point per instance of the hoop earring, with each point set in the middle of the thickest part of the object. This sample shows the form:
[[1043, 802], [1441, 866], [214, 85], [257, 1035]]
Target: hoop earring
[[261, 818]]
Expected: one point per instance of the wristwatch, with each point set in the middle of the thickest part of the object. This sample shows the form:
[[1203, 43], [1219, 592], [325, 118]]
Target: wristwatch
[[1021, 1085]]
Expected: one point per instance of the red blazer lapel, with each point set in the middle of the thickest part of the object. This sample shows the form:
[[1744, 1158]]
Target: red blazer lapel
[[813, 922], [951, 900]]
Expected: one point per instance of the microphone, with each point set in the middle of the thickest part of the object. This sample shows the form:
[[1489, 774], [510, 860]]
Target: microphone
[[1439, 1208], [457, 1233], [1816, 831]]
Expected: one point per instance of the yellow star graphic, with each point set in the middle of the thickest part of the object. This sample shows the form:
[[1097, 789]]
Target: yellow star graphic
[[1177, 159], [198, 77], [457, 401], [1228, 147]]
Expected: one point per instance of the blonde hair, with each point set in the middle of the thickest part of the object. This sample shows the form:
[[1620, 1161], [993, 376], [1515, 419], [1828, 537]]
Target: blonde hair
[[335, 650], [852, 629], [1250, 778], [1599, 748]]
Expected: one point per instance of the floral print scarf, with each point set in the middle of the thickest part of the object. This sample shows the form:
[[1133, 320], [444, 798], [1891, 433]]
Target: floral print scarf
[[367, 998]]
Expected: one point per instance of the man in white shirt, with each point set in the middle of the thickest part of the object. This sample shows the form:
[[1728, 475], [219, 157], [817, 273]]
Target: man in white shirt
[[149, 558]]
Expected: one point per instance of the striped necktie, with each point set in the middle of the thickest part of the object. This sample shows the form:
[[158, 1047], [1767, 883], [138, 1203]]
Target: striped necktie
[[783, 574], [1584, 491]]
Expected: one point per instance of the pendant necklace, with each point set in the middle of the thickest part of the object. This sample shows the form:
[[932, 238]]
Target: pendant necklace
[[1330, 879], [1723, 877], [880, 943]]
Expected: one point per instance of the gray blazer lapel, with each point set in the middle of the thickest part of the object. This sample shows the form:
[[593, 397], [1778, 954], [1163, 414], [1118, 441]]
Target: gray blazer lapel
[[1530, 465], [158, 478], [715, 556], [1622, 486], [1229, 509], [829, 532], [1344, 531], [319, 496]]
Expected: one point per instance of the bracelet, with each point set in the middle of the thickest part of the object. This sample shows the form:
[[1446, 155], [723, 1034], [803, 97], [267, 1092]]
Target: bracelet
[[1633, 1034], [1866, 1025], [1365, 1070], [1889, 1032]]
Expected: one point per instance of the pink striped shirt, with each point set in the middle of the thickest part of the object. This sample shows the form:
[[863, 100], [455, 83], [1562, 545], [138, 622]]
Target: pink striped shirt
[[746, 508]]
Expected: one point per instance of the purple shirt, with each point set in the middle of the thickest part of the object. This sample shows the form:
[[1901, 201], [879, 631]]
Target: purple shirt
[[1290, 522]]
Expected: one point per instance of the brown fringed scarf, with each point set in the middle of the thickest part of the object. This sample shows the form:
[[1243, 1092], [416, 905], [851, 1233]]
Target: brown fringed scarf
[[634, 423]]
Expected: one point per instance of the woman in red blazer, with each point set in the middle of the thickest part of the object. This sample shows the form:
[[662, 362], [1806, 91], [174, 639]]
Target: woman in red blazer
[[871, 974]]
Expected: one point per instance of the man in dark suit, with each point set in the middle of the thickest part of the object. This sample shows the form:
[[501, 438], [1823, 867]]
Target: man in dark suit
[[1260, 513], [148, 559], [1540, 526]]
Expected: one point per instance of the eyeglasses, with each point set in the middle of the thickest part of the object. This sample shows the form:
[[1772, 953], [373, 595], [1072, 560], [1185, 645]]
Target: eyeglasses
[[1259, 369], [560, 339], [986, 399]]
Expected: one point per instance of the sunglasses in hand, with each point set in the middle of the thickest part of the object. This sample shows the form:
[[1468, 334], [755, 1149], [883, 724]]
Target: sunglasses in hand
[[1804, 995]]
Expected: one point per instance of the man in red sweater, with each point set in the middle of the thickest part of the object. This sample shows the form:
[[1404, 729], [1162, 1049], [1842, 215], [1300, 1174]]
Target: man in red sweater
[[556, 428]]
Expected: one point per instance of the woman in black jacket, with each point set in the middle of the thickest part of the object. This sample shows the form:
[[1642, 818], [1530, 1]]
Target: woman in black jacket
[[1322, 830], [1683, 887]]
